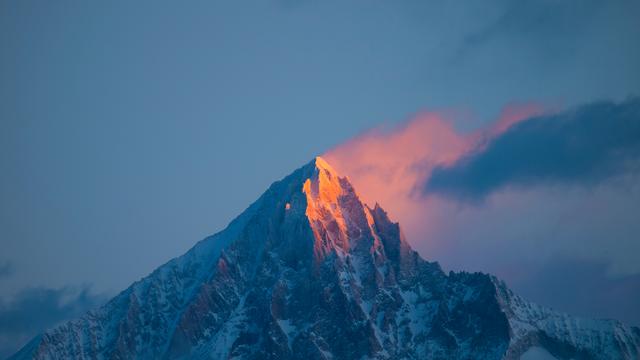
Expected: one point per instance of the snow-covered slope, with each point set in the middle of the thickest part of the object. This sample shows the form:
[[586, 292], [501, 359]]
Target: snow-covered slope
[[310, 272]]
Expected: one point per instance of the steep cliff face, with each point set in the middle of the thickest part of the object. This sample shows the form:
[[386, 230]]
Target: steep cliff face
[[310, 272]]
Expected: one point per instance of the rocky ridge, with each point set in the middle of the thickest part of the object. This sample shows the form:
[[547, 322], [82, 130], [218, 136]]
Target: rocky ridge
[[310, 272]]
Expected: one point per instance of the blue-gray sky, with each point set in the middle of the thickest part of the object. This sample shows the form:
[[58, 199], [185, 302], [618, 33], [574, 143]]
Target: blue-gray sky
[[130, 130]]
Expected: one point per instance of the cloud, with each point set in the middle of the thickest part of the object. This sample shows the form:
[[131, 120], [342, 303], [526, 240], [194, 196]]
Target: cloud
[[34, 310], [385, 164], [584, 146], [384, 159], [390, 165]]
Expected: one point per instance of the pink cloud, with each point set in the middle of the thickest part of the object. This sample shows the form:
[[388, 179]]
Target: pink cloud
[[389, 166]]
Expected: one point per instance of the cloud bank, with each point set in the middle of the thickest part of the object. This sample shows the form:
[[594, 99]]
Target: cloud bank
[[585, 146]]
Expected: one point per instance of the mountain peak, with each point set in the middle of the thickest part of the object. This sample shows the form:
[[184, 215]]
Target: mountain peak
[[310, 272], [321, 163], [337, 216], [325, 185]]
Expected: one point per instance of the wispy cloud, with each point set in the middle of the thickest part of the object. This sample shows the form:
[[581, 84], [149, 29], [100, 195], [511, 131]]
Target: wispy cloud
[[391, 165]]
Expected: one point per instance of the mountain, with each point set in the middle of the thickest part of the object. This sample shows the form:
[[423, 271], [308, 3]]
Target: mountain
[[310, 272]]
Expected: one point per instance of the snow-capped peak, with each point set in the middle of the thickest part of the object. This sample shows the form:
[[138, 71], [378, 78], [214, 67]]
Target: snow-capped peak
[[340, 221], [325, 186], [310, 272]]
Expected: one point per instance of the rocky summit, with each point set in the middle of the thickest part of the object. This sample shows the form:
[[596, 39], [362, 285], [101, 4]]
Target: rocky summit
[[310, 272]]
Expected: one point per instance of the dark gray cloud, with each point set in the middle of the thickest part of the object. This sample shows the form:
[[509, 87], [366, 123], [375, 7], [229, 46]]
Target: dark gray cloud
[[36, 309], [582, 287], [585, 145]]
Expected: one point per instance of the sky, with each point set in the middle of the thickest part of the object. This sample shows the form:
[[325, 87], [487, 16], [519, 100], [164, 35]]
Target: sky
[[129, 131]]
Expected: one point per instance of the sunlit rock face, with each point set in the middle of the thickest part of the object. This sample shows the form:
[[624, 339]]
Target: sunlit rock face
[[310, 272]]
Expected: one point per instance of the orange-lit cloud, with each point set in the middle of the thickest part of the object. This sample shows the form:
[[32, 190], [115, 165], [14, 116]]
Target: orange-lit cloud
[[390, 166]]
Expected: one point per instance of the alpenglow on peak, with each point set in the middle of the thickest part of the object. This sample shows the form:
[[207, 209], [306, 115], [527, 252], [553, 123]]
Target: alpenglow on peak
[[310, 272]]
